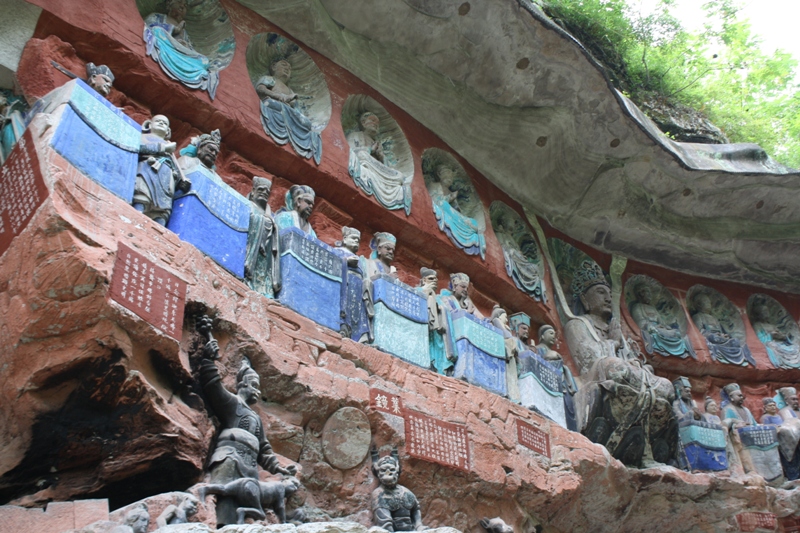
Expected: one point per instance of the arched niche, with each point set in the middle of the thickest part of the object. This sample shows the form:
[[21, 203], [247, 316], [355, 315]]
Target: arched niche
[[210, 32], [523, 259], [381, 163], [567, 260], [659, 317], [720, 323], [455, 202], [776, 329]]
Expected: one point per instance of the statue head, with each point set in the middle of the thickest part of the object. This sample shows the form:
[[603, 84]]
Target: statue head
[[100, 78], [260, 192], [387, 468], [208, 148], [281, 69], [703, 303], [351, 238], [590, 286], [248, 384], [770, 407], [301, 198], [189, 504], [176, 9], [446, 174], [499, 314], [290, 485], [158, 126], [459, 284], [370, 123], [643, 293], [789, 395], [520, 325], [683, 389], [734, 392], [138, 519], [428, 276], [495, 525], [759, 312], [711, 406], [383, 245], [547, 335]]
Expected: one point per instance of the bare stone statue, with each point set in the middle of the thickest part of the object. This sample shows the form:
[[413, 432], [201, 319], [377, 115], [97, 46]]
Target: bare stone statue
[[100, 78], [394, 507], [179, 514], [500, 321], [137, 520], [299, 206], [457, 297], [262, 266], [254, 499], [684, 407], [441, 360], [495, 525]]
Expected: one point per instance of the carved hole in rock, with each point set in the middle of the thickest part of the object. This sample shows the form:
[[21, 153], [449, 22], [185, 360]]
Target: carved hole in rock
[[464, 8], [307, 80], [760, 204], [523, 63], [208, 26], [614, 143], [508, 469], [541, 141]]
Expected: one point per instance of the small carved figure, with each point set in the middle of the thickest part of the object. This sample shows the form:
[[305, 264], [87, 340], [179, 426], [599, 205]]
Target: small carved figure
[[770, 416], [158, 174], [500, 321], [255, 496], [169, 45], [495, 525], [547, 342], [299, 204], [394, 507], [282, 115], [262, 266], [724, 347], [355, 322], [441, 360], [789, 432], [711, 414], [179, 514], [12, 125], [457, 297], [520, 328], [202, 150], [351, 239], [735, 414], [100, 78], [522, 266], [782, 347], [370, 169], [380, 260], [658, 335], [684, 407], [137, 520]]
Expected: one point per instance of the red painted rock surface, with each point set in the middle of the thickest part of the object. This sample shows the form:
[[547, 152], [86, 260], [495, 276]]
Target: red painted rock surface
[[95, 401]]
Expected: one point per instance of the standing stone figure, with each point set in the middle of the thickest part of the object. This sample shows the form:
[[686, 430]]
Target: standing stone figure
[[684, 407], [262, 266], [355, 323], [179, 514], [394, 507], [658, 335], [520, 327], [242, 445], [789, 432], [723, 347], [441, 360], [547, 342], [158, 175], [500, 321], [203, 150], [167, 42], [457, 297], [297, 209], [711, 414], [380, 260], [783, 349], [100, 78], [621, 405], [370, 169], [281, 112]]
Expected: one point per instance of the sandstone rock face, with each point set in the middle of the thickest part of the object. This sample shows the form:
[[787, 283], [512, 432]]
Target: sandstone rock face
[[96, 401]]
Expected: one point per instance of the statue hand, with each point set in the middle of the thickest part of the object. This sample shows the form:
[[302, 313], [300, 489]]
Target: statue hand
[[170, 147], [179, 27], [352, 261], [183, 185], [211, 349], [289, 470]]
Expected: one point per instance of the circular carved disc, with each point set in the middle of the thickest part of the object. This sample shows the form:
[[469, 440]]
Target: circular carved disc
[[346, 437]]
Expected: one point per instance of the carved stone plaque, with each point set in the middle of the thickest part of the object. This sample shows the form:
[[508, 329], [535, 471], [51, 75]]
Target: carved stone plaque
[[346, 437], [385, 402], [150, 291], [752, 521], [790, 524], [533, 438], [436, 441], [22, 190]]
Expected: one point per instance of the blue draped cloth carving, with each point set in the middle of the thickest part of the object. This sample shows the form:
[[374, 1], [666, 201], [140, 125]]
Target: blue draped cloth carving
[[723, 347], [13, 126], [658, 336], [782, 353], [176, 56], [464, 231], [284, 123]]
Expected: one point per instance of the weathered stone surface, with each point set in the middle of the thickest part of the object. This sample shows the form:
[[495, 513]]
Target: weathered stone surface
[[346, 438], [55, 518]]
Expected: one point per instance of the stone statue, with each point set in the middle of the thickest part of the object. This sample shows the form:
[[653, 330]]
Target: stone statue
[[442, 360], [495, 525], [520, 327], [457, 297], [394, 507], [12, 125], [789, 432], [167, 42], [711, 414], [450, 194], [782, 346], [723, 347], [684, 407], [792, 407], [297, 209], [380, 260], [137, 520], [202, 150], [282, 115], [179, 514], [500, 321], [770, 416], [659, 336], [547, 342], [621, 404], [262, 265], [242, 445], [100, 78], [735, 414], [351, 240], [355, 322], [371, 170], [523, 267], [255, 498], [158, 174]]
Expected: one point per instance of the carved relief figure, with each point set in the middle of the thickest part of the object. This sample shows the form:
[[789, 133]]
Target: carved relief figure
[[789, 432], [202, 150], [158, 174], [548, 337], [776, 330], [254, 499], [355, 322], [721, 325], [262, 266], [457, 297], [100, 78], [441, 359], [770, 416], [179, 514], [12, 125], [659, 317], [500, 321], [684, 407], [380, 261], [520, 251], [456, 205], [299, 204], [394, 507], [137, 520]]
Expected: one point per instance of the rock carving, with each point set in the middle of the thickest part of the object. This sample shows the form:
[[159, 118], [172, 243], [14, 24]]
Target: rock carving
[[394, 507], [262, 266], [299, 204]]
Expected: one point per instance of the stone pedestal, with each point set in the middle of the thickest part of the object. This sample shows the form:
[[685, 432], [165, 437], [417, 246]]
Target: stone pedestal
[[400, 324], [481, 352], [703, 446], [760, 448], [540, 387]]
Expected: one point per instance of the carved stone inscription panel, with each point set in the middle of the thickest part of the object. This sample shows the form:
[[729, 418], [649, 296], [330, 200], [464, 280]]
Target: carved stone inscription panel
[[534, 438], [753, 521], [385, 402], [437, 441]]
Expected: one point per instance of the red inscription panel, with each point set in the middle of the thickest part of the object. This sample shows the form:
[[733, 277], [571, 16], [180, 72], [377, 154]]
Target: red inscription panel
[[22, 190], [153, 293], [385, 402], [790, 524], [533, 438], [437, 441], [753, 521]]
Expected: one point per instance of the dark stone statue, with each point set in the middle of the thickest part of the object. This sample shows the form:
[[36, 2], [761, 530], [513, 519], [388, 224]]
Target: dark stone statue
[[254, 498], [262, 266], [299, 206], [100, 78], [355, 322], [242, 445], [394, 507], [179, 514], [684, 407], [495, 525]]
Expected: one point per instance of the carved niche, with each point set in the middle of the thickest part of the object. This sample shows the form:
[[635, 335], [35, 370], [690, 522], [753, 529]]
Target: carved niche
[[776, 329], [720, 322], [523, 259]]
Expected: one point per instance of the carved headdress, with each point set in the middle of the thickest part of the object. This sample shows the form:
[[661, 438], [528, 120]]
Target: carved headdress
[[726, 392], [458, 277], [259, 181], [681, 383], [295, 191], [215, 137], [378, 240], [424, 272], [497, 312], [94, 70], [586, 276], [244, 371], [519, 318], [544, 329], [377, 461], [347, 231]]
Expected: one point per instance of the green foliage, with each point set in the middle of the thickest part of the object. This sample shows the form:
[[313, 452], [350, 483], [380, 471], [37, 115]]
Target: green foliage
[[723, 72]]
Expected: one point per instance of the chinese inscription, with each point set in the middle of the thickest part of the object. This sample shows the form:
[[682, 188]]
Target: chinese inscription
[[533, 438], [149, 290], [113, 125], [488, 339], [402, 300], [385, 402], [550, 379], [437, 441], [22, 190], [313, 255], [758, 435], [752, 521], [224, 204]]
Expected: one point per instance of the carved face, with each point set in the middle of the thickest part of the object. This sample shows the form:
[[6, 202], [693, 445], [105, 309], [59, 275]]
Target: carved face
[[159, 125], [207, 154], [190, 506], [261, 193], [139, 521], [282, 70], [446, 175], [460, 289], [433, 279], [597, 300], [250, 388], [771, 408], [793, 402], [388, 474], [304, 205], [371, 124], [385, 252], [643, 294], [503, 318], [101, 83], [737, 398], [712, 408], [177, 10], [760, 313], [351, 241], [686, 393], [548, 337], [704, 304]]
